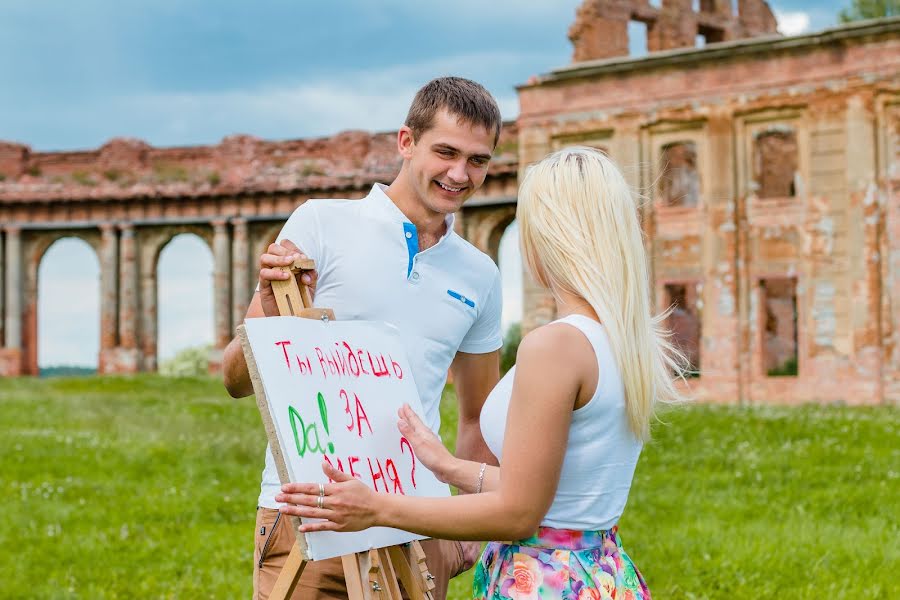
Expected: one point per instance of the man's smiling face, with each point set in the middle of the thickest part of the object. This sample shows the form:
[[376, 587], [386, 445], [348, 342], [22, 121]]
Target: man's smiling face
[[448, 162]]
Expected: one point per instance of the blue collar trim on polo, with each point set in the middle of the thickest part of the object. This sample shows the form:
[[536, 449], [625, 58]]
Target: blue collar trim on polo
[[380, 204], [412, 244]]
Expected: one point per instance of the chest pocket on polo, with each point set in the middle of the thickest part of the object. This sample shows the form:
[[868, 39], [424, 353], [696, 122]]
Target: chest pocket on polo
[[458, 312], [461, 298]]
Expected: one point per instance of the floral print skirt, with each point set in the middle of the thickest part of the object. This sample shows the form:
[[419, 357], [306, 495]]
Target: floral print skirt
[[559, 563]]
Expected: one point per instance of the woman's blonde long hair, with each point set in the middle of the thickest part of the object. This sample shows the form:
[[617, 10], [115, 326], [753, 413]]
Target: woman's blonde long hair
[[580, 233]]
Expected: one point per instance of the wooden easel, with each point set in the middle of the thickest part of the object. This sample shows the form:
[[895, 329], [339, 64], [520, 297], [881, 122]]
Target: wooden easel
[[370, 575]]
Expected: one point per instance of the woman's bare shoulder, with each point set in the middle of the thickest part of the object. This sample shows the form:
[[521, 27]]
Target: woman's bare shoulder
[[556, 342]]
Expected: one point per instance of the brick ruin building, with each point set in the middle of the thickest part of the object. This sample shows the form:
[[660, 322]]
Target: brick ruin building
[[770, 167], [127, 200]]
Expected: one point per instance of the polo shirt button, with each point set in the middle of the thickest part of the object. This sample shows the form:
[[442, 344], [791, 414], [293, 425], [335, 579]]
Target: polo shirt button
[[415, 275], [409, 235]]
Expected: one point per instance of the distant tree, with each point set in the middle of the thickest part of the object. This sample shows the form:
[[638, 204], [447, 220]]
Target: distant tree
[[510, 347], [67, 371], [870, 9]]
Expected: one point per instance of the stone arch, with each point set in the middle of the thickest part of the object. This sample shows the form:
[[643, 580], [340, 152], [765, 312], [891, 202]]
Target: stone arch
[[193, 299], [245, 264], [152, 242], [264, 236], [35, 246], [486, 227]]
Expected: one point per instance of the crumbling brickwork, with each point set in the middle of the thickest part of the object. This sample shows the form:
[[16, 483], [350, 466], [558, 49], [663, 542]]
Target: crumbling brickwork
[[773, 226], [128, 199], [793, 242], [600, 29]]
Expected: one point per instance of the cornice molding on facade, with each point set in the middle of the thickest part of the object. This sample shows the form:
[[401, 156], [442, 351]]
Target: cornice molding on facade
[[691, 57]]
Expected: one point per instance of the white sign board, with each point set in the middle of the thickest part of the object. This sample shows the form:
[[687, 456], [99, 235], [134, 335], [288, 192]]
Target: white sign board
[[333, 391]]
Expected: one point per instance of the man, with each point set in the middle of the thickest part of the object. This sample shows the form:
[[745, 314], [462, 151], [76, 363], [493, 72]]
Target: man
[[393, 256]]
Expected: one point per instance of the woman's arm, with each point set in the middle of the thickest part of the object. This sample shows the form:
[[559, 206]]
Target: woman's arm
[[552, 363], [431, 452]]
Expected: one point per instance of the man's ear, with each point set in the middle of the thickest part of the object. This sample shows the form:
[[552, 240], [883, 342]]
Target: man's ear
[[405, 142]]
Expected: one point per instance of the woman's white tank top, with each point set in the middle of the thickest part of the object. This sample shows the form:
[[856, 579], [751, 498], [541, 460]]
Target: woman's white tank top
[[602, 451]]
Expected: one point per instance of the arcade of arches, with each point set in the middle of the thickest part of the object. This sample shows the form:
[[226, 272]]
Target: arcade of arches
[[772, 167], [142, 197]]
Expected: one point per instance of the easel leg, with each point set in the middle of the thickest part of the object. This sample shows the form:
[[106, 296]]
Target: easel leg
[[385, 574], [415, 584], [290, 575], [356, 574], [369, 575]]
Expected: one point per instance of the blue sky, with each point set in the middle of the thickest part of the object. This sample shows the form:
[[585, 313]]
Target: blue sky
[[178, 72]]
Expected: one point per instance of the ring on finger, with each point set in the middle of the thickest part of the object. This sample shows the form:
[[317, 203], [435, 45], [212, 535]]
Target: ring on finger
[[321, 489], [320, 502]]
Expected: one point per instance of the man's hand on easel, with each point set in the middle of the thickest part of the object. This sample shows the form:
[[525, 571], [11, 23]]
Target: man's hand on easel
[[271, 264]]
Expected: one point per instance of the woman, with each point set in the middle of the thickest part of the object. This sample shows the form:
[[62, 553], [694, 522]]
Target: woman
[[576, 408]]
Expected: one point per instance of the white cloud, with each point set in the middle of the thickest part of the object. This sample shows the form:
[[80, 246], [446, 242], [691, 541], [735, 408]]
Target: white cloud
[[368, 100], [69, 331], [792, 23]]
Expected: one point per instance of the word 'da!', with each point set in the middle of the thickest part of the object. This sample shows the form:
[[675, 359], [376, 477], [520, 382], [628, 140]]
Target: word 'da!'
[[332, 391]]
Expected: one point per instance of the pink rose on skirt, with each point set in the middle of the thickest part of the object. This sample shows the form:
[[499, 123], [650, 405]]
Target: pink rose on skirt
[[528, 577]]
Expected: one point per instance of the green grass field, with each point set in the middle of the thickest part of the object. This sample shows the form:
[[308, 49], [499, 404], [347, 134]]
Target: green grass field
[[146, 487]]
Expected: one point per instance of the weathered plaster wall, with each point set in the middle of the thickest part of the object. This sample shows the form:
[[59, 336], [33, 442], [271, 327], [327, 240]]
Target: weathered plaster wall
[[794, 142]]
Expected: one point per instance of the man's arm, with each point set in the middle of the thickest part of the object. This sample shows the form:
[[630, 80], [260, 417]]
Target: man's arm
[[234, 367], [474, 376]]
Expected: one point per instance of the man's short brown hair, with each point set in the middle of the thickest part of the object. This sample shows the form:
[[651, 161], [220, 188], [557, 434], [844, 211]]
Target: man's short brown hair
[[463, 98]]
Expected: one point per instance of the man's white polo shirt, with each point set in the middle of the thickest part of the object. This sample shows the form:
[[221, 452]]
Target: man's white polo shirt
[[443, 300]]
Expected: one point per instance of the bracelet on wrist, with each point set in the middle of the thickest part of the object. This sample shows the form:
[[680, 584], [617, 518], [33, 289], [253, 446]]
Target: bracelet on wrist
[[480, 478]]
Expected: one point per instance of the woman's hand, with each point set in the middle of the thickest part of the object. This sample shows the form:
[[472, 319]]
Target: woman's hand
[[348, 504], [428, 448]]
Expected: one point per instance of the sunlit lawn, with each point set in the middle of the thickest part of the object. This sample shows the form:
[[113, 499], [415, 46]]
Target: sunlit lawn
[[146, 487]]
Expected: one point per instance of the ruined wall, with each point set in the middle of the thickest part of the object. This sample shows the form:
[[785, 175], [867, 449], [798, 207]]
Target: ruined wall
[[127, 199], [882, 205], [600, 29], [772, 171]]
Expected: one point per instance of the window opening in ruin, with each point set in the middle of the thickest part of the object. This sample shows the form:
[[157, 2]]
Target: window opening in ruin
[[637, 38], [710, 35], [68, 308], [656, 3], [695, 5], [778, 298], [775, 159], [184, 296], [679, 181], [684, 321]]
